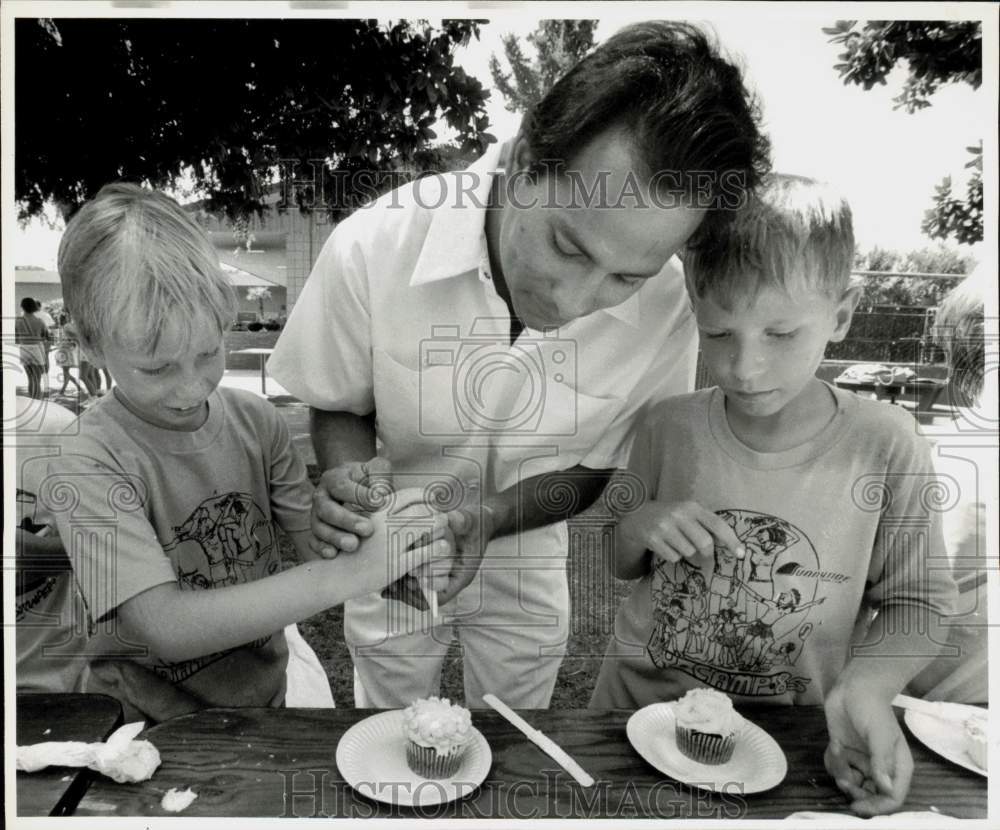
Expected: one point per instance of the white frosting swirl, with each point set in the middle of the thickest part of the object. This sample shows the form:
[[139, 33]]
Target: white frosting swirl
[[707, 711], [438, 723]]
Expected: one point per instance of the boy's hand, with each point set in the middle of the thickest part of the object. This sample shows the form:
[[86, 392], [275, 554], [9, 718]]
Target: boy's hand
[[343, 495], [867, 757], [679, 530]]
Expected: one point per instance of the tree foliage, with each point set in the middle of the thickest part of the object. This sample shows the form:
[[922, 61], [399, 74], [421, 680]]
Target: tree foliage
[[936, 53], [558, 45], [224, 101], [909, 291]]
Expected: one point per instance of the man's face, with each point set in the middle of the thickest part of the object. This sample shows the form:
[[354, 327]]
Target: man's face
[[565, 255]]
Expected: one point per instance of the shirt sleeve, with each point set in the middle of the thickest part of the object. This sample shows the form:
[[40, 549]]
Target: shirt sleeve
[[100, 512], [910, 565], [291, 492], [672, 374], [324, 354]]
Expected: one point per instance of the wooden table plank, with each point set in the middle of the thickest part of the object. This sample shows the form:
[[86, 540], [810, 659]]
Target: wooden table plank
[[281, 763], [55, 791]]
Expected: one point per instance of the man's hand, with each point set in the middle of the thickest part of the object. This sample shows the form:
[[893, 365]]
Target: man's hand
[[867, 757], [678, 530], [473, 527], [342, 497]]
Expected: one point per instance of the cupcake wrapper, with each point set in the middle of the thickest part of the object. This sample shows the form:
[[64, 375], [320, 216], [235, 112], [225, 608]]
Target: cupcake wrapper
[[425, 761], [705, 747]]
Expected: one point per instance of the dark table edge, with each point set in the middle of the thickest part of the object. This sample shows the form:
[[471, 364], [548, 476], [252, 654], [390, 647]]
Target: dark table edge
[[83, 777]]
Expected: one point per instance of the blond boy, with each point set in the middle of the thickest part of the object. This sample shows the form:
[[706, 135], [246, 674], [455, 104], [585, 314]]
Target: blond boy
[[797, 502], [167, 500]]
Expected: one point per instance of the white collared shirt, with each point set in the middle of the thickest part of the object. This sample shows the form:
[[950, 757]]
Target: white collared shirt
[[399, 316]]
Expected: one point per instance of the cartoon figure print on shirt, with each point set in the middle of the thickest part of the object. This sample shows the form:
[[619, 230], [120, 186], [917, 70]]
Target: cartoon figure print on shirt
[[741, 627], [227, 540]]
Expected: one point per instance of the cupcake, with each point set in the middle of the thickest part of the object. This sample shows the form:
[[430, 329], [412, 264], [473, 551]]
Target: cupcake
[[706, 726], [975, 741], [437, 733]]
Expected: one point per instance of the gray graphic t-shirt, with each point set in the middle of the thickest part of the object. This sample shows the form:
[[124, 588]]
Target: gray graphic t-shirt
[[847, 522]]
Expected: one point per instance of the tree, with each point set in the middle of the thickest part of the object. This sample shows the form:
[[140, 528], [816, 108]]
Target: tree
[[937, 53], [227, 101], [558, 45]]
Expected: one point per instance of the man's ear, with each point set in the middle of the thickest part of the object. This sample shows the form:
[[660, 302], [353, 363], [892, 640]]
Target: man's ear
[[519, 156], [845, 312]]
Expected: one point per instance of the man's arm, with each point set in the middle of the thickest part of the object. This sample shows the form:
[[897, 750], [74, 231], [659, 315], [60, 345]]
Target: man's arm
[[344, 443], [533, 502]]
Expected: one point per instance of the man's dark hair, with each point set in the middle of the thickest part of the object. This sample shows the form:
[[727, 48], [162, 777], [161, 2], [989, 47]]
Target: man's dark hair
[[684, 105]]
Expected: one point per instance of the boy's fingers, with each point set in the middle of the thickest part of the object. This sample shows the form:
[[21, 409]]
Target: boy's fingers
[[723, 533]]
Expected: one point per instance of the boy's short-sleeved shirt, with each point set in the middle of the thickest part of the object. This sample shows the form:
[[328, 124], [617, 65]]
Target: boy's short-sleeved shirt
[[848, 520], [138, 506]]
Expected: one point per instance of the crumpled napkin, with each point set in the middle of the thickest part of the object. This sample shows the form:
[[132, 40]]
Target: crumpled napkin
[[121, 757]]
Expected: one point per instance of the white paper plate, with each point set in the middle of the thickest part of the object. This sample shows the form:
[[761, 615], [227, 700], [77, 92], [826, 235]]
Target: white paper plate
[[945, 737], [371, 756], [757, 763]]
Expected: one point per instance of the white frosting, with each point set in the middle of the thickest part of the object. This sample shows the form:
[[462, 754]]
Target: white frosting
[[438, 723], [707, 711], [175, 800]]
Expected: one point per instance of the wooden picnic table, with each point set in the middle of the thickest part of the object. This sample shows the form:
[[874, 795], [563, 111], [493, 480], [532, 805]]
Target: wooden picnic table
[[55, 791], [273, 763]]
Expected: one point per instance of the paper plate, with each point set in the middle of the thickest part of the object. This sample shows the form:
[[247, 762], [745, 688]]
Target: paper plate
[[371, 756], [945, 737], [757, 763]]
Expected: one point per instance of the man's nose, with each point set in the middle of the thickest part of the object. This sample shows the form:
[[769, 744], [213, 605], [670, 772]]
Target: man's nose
[[579, 297]]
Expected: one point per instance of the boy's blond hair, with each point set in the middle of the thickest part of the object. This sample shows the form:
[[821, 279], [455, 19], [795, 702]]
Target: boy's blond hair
[[132, 258], [795, 233], [958, 329]]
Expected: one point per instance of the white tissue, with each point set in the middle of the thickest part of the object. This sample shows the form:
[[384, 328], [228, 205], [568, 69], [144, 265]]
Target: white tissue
[[121, 757]]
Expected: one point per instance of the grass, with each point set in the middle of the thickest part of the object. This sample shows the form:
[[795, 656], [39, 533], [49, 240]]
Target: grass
[[594, 598]]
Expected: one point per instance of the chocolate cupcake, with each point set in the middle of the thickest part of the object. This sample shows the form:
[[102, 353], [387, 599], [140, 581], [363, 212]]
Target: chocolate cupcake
[[437, 734], [706, 726]]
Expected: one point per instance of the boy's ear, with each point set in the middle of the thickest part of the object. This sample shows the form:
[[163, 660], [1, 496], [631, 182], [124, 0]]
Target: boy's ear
[[845, 312]]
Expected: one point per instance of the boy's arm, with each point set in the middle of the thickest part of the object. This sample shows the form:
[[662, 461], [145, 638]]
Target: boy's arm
[[912, 587], [868, 755], [177, 625]]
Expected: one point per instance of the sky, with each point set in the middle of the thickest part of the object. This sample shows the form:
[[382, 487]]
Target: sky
[[887, 162]]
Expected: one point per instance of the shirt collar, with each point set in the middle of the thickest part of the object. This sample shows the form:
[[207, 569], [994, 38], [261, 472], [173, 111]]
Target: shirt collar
[[453, 244]]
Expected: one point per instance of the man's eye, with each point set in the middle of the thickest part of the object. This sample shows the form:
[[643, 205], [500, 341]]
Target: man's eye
[[565, 248], [631, 282]]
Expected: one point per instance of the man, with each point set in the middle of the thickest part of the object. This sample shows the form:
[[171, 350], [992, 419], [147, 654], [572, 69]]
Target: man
[[497, 330]]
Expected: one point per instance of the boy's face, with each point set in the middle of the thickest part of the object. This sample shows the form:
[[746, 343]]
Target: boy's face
[[764, 352], [170, 386]]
